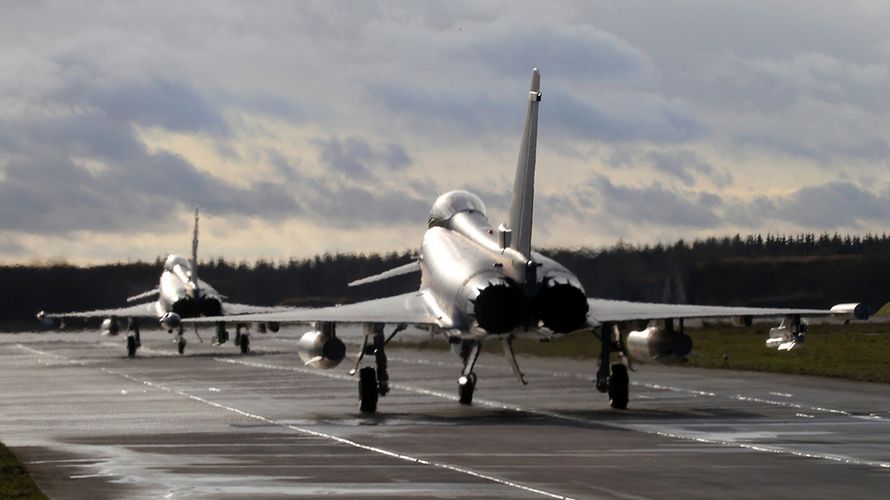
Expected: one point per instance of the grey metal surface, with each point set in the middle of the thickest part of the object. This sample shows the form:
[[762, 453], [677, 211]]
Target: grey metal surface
[[90, 423], [602, 310], [406, 308]]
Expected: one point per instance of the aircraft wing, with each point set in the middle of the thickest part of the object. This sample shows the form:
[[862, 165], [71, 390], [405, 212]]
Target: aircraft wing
[[144, 310], [230, 308], [602, 310], [410, 308]]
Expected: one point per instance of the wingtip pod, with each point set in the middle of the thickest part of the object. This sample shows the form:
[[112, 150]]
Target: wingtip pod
[[536, 81], [855, 310]]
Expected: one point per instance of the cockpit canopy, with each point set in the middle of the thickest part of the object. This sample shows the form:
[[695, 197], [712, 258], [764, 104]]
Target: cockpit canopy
[[454, 202], [177, 260]]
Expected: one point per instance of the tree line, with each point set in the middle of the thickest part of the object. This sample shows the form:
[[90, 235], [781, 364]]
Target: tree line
[[805, 270]]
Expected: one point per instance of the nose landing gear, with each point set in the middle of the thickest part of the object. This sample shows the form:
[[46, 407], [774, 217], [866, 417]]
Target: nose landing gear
[[466, 384]]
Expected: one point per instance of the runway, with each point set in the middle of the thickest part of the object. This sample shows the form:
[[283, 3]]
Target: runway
[[90, 423]]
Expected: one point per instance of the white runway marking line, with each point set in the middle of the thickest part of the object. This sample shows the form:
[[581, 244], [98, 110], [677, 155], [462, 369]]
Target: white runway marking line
[[309, 432], [687, 436], [738, 397]]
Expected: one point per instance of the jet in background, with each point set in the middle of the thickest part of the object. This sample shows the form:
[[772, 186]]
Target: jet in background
[[179, 294], [479, 283]]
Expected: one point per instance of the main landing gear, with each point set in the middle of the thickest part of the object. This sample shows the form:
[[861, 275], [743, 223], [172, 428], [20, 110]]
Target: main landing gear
[[134, 341], [373, 382], [242, 339], [613, 377], [222, 335]]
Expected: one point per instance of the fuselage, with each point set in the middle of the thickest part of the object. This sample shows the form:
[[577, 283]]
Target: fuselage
[[181, 292], [485, 287]]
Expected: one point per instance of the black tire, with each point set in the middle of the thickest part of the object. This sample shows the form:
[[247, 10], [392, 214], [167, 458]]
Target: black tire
[[245, 344], [131, 347], [138, 340], [619, 384], [180, 346], [367, 390], [465, 391]]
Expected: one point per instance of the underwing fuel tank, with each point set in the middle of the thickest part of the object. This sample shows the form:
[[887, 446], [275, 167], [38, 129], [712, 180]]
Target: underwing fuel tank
[[659, 344], [110, 327], [170, 321], [321, 349]]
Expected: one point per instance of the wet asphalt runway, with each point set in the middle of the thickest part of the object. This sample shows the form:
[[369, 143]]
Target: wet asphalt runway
[[90, 423]]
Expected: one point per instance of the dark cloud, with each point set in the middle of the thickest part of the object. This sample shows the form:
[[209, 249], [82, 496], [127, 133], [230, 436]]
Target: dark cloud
[[579, 51], [683, 165], [88, 170], [828, 206], [621, 117], [610, 116], [153, 101], [355, 157], [270, 105], [449, 114], [819, 148], [657, 205], [352, 207]]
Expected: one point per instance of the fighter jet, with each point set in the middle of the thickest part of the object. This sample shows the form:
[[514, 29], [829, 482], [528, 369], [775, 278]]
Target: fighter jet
[[179, 294], [480, 283]]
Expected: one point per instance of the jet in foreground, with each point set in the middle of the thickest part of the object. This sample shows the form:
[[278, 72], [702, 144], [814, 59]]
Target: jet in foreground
[[480, 283], [180, 294]]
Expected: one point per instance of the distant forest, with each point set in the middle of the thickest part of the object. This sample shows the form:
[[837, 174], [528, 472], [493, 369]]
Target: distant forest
[[806, 270]]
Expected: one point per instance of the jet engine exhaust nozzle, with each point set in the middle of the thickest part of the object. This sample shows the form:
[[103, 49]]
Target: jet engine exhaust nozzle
[[562, 307], [209, 306], [499, 307], [184, 307], [188, 307]]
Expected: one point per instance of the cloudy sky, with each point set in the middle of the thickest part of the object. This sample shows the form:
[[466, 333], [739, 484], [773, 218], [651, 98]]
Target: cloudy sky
[[308, 127]]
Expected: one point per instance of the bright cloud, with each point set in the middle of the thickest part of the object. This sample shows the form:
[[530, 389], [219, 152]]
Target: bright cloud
[[331, 126]]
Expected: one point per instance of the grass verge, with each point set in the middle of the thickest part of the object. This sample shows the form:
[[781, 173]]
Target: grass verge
[[856, 352], [15, 482]]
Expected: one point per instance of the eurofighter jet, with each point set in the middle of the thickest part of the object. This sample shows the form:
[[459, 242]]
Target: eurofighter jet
[[180, 294], [480, 283]]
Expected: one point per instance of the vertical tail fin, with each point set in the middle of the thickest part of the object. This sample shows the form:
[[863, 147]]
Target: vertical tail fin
[[195, 249], [522, 202]]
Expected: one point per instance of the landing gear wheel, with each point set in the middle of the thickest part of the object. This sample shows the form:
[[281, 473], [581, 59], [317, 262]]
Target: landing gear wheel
[[367, 389], [618, 386], [245, 344], [132, 344], [180, 346], [466, 386]]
